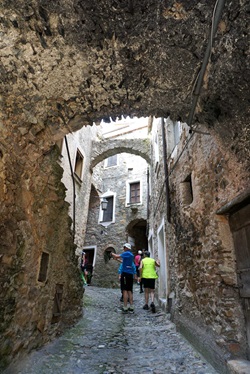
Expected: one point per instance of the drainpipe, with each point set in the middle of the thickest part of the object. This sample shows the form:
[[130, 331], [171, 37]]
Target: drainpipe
[[74, 187], [164, 146], [218, 8]]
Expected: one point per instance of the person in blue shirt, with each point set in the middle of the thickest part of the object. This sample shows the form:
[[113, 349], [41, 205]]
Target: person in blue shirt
[[120, 276], [127, 276]]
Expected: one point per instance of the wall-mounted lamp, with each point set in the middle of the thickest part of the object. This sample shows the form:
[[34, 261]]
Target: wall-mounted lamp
[[104, 203]]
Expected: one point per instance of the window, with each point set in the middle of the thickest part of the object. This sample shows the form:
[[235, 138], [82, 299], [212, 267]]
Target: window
[[111, 161], [78, 164], [135, 193], [107, 254], [106, 217], [186, 191], [43, 267], [108, 213]]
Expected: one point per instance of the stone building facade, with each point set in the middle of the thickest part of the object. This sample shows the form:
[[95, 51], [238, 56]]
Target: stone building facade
[[122, 179], [75, 159], [196, 191]]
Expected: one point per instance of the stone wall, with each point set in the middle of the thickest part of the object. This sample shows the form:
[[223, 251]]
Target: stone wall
[[34, 225], [201, 257]]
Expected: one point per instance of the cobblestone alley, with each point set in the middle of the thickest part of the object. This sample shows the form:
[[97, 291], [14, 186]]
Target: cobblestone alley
[[107, 341]]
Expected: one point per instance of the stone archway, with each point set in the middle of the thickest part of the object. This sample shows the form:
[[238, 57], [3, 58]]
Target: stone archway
[[104, 149], [65, 66]]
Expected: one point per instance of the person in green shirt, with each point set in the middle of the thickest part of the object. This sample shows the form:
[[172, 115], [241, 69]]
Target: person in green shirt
[[148, 276]]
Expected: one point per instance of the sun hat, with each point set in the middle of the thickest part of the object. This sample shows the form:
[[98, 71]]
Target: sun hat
[[127, 245]]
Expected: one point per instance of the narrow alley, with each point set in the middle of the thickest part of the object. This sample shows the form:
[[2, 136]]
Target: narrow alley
[[107, 341]]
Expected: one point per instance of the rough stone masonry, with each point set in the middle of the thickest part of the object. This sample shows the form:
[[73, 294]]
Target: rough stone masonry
[[65, 64]]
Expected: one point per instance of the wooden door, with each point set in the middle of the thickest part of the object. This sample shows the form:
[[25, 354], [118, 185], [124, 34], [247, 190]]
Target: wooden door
[[240, 227]]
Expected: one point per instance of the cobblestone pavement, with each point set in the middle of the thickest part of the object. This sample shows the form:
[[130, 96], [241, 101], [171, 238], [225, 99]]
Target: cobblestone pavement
[[107, 341]]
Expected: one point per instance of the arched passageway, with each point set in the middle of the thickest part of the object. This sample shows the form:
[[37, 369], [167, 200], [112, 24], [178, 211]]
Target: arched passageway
[[64, 66]]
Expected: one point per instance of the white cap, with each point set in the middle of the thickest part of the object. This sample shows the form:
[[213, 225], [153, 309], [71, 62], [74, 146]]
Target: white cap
[[139, 252], [127, 245]]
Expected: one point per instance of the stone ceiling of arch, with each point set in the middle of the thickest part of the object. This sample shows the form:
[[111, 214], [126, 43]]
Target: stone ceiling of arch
[[67, 63]]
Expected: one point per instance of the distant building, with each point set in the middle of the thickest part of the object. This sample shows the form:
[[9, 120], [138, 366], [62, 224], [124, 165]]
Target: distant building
[[122, 179]]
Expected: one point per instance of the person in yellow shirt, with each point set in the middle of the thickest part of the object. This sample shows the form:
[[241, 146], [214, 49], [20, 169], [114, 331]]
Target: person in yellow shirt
[[148, 276]]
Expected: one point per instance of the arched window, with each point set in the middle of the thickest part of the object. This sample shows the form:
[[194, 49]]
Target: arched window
[[107, 254]]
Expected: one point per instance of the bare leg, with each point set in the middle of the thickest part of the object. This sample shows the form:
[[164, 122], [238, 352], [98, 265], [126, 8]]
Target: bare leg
[[152, 294], [130, 295], [125, 298], [152, 305], [146, 294]]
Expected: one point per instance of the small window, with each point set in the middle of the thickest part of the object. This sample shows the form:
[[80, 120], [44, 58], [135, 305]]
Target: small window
[[43, 267], [79, 164], [135, 193], [107, 254], [186, 190], [111, 161], [108, 213]]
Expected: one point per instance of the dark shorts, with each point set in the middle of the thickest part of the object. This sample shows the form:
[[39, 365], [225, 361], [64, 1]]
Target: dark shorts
[[127, 282], [148, 283]]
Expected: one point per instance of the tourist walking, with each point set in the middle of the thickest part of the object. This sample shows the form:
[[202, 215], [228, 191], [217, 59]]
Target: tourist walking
[[138, 259], [148, 276], [120, 278], [127, 276], [83, 268]]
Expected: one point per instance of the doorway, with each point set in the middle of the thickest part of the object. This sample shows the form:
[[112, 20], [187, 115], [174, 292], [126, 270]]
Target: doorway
[[240, 227], [136, 231]]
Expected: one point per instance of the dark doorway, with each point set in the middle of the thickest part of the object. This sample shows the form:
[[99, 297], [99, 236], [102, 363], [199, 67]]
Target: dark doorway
[[137, 230], [240, 227]]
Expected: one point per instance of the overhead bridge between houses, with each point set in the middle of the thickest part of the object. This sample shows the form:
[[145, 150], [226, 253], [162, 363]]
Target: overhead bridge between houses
[[107, 148]]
